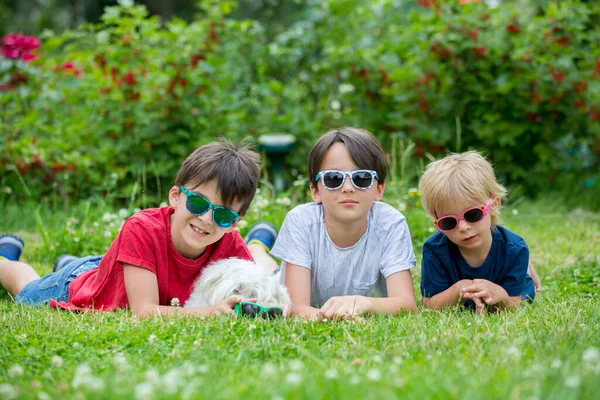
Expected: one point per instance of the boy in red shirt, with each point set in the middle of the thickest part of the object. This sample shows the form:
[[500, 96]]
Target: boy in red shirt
[[159, 253]]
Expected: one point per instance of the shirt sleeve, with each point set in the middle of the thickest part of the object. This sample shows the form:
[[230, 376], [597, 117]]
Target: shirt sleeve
[[136, 245], [293, 245], [434, 278], [517, 261], [398, 253], [239, 248]]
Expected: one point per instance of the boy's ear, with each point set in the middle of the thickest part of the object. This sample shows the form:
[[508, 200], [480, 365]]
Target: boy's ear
[[174, 196], [496, 205], [380, 190], [316, 196]]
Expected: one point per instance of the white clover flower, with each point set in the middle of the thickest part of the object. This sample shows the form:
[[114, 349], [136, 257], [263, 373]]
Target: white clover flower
[[43, 396], [354, 380], [242, 224], [591, 355], [344, 88], [513, 352], [373, 374], [96, 224], [107, 217], [171, 381], [123, 213], [136, 210], [144, 390], [203, 368], [402, 206], [251, 327], [16, 371], [572, 381], [152, 339], [76, 239], [377, 358], [75, 345], [120, 361], [296, 365], [431, 229], [83, 375], [7, 391], [21, 337], [96, 384], [163, 204], [293, 378], [398, 360], [335, 105], [175, 302], [152, 376], [57, 361], [331, 374], [515, 211], [556, 364], [269, 369]]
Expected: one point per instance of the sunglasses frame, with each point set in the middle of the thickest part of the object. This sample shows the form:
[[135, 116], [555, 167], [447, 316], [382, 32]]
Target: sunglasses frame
[[321, 175], [262, 310], [191, 194], [485, 208]]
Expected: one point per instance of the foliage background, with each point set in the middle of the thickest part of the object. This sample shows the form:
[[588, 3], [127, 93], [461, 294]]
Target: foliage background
[[111, 109]]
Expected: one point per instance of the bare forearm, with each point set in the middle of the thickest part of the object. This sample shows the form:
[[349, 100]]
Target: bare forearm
[[449, 297], [392, 305], [152, 309], [305, 311]]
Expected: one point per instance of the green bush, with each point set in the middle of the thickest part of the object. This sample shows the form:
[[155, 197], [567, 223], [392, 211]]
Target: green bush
[[112, 109]]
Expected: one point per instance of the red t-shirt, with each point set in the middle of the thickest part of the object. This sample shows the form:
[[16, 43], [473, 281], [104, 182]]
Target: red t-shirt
[[145, 241]]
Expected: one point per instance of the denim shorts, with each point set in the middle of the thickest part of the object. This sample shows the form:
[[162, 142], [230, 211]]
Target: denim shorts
[[56, 285]]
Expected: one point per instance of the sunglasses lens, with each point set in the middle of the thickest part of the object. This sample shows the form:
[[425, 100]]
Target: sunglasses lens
[[197, 205], [274, 313], [224, 217], [362, 179], [250, 310], [474, 215], [333, 180], [447, 224]]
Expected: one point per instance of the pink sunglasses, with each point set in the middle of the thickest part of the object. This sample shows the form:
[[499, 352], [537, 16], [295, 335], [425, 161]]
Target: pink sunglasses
[[473, 215]]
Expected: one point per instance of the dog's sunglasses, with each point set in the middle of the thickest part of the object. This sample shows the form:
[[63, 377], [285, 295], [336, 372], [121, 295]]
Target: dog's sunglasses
[[473, 215], [199, 205], [334, 179], [248, 309]]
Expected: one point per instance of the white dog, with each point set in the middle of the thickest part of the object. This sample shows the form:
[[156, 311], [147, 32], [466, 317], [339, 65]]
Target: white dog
[[230, 277]]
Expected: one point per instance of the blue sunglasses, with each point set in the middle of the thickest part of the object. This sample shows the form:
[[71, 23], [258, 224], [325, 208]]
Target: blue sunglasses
[[199, 205]]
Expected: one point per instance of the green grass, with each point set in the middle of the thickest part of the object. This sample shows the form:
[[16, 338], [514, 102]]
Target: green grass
[[547, 350]]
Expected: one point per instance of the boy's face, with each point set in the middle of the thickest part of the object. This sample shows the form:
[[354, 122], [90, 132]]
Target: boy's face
[[347, 204], [468, 236], [190, 233]]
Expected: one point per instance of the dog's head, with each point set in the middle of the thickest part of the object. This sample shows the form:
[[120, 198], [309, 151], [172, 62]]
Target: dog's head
[[236, 277]]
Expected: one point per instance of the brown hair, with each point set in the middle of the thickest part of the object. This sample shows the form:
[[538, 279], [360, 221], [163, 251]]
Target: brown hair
[[234, 167], [364, 149]]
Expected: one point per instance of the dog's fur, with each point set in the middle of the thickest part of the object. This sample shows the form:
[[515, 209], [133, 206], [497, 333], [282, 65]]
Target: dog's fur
[[230, 277]]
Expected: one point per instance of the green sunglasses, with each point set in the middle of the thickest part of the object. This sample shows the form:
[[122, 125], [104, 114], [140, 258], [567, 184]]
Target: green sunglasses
[[248, 309], [199, 205]]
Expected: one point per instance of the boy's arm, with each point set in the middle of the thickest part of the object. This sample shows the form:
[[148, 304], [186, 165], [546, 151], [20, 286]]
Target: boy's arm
[[297, 280], [401, 297], [449, 297], [142, 292], [490, 294]]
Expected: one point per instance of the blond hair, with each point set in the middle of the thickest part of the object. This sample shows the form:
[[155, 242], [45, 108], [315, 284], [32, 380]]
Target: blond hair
[[460, 177]]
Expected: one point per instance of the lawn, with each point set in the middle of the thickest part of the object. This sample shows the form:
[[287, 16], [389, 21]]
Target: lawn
[[548, 350]]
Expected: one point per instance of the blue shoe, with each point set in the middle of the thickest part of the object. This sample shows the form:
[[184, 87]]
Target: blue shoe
[[11, 247], [62, 262], [262, 233]]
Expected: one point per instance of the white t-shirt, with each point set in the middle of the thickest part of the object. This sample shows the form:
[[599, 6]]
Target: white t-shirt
[[384, 249]]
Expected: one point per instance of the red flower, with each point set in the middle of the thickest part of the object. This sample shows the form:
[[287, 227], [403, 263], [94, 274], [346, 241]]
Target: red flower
[[514, 29], [558, 76], [474, 33], [480, 51], [580, 86], [563, 41], [15, 45], [129, 78]]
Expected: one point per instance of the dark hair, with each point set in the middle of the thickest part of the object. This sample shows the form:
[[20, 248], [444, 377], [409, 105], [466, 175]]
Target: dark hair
[[235, 169], [364, 149]]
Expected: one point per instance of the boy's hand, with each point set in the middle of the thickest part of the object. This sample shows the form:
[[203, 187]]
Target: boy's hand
[[484, 292], [345, 307], [227, 306]]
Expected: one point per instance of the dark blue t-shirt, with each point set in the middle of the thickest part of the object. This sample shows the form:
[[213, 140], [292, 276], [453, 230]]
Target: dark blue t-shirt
[[505, 265]]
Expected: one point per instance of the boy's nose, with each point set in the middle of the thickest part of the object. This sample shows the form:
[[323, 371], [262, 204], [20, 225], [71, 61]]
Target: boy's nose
[[347, 186], [206, 217], [463, 225]]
